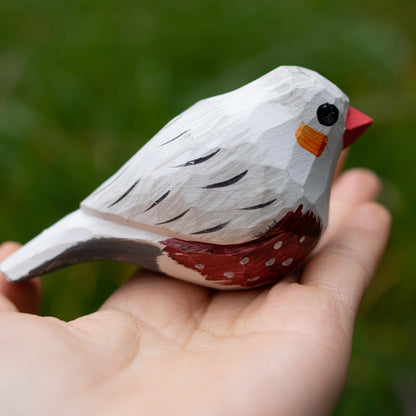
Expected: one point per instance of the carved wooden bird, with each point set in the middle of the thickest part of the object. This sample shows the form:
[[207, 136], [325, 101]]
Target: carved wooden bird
[[233, 192]]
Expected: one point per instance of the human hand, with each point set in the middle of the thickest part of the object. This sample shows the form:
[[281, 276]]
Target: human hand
[[162, 346]]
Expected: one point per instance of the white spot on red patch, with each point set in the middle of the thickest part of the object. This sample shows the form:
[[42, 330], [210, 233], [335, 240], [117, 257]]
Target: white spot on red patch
[[302, 239], [244, 260], [277, 245], [199, 266], [287, 262], [229, 275], [253, 279], [270, 262]]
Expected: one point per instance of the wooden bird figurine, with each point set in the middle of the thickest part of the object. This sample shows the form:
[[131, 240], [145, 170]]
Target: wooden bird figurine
[[232, 193]]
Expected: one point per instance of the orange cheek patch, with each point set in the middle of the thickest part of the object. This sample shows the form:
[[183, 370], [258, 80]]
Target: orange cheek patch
[[310, 139]]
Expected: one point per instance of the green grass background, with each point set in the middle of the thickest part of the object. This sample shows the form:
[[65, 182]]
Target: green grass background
[[84, 84]]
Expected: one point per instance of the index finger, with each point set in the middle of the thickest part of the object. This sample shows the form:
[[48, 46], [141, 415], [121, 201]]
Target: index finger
[[22, 296]]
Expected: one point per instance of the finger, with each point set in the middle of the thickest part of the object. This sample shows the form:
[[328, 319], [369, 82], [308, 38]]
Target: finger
[[23, 296], [352, 188], [356, 185], [341, 162], [345, 266]]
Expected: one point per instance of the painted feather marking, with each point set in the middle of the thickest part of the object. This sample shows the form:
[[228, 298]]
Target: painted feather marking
[[125, 194], [174, 218], [199, 160], [212, 229], [265, 204], [228, 182], [158, 201], [177, 137]]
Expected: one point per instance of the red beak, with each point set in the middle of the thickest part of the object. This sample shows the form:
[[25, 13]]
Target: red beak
[[357, 123]]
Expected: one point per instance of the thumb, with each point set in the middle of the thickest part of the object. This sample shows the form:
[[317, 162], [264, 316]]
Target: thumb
[[23, 296]]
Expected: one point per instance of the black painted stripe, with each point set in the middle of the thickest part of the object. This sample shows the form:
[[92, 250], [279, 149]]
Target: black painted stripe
[[212, 229], [199, 160], [227, 182], [157, 201], [125, 194], [177, 137], [265, 204], [174, 218]]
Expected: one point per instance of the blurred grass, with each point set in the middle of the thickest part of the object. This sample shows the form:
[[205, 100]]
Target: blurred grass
[[83, 84]]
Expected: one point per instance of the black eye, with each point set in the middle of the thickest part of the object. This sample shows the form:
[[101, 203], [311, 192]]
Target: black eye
[[327, 114]]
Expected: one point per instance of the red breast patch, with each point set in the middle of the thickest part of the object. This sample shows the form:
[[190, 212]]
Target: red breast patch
[[264, 260]]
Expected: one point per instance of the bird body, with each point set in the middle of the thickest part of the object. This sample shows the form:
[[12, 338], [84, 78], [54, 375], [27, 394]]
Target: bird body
[[233, 192]]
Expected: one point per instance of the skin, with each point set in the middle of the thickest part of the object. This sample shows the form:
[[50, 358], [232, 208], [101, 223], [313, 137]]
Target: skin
[[160, 346]]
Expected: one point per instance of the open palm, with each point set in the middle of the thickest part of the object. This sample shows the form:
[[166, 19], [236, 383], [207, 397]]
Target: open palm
[[160, 346]]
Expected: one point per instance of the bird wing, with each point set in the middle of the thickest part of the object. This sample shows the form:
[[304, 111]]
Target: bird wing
[[199, 178]]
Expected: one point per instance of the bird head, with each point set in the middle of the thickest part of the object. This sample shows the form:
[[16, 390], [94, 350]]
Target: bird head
[[304, 106]]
